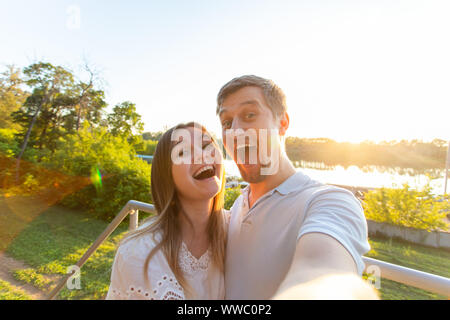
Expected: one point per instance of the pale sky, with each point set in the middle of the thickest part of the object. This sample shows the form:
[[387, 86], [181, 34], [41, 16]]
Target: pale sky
[[351, 70]]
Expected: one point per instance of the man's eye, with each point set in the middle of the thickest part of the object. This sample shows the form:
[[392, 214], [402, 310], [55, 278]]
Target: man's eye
[[250, 115]]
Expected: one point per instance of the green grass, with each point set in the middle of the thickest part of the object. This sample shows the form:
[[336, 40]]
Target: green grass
[[32, 277], [8, 292], [56, 240], [427, 259], [58, 237]]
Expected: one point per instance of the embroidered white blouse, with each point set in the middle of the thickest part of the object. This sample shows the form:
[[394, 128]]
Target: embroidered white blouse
[[127, 277]]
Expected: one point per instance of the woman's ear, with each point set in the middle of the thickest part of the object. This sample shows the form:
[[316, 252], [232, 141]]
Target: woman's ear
[[284, 123]]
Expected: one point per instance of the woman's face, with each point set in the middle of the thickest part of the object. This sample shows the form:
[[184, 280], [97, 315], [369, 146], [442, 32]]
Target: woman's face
[[197, 164]]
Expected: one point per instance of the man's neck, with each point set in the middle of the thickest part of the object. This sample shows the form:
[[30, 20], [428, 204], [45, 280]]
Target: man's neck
[[257, 190]]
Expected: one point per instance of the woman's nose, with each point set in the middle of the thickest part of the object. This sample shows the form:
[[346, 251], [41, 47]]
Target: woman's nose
[[197, 155], [208, 155]]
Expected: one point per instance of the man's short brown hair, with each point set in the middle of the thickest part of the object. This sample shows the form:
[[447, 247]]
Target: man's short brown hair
[[275, 98]]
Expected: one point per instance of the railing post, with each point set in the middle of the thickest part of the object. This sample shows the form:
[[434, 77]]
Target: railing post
[[134, 217]]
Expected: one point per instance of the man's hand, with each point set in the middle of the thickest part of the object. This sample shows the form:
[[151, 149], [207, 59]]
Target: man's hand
[[323, 269], [332, 287]]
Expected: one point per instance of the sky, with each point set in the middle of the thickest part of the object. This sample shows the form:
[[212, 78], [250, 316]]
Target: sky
[[351, 70]]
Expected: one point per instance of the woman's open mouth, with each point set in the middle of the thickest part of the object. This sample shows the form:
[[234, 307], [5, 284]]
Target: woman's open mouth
[[205, 172]]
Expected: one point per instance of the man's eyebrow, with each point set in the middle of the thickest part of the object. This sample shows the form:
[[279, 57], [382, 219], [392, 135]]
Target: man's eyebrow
[[250, 102]]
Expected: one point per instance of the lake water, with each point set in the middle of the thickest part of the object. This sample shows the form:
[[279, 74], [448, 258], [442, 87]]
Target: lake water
[[369, 176]]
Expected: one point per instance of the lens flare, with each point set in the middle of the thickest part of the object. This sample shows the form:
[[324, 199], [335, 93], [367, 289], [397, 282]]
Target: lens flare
[[96, 178]]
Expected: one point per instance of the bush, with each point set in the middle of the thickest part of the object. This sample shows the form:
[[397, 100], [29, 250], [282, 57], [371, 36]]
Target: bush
[[407, 207], [109, 168], [149, 147], [231, 194], [8, 144]]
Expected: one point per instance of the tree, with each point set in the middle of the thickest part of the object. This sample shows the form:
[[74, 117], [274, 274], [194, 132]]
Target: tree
[[89, 101], [152, 135], [11, 96], [47, 82], [125, 122]]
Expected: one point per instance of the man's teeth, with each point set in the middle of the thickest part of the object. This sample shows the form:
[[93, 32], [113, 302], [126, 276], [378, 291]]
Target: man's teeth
[[244, 145], [203, 169]]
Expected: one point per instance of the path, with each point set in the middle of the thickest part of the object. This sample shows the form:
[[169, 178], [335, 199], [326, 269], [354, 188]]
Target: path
[[7, 266]]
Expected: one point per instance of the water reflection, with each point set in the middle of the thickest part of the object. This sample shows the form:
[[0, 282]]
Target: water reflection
[[369, 176], [433, 173]]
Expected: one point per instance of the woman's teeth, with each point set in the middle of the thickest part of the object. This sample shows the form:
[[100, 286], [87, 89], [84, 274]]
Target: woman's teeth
[[204, 172]]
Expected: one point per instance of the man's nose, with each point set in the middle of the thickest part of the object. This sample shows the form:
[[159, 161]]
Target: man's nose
[[236, 124]]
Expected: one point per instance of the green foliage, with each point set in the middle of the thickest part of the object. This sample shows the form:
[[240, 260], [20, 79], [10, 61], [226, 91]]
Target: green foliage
[[152, 135], [123, 176], [8, 144], [124, 121], [231, 194], [31, 184], [11, 96], [149, 147], [42, 112], [407, 207]]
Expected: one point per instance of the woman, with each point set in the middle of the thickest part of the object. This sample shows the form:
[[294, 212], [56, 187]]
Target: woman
[[179, 253]]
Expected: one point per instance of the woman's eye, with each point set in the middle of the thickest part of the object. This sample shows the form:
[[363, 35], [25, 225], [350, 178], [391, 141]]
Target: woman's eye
[[226, 124], [180, 154], [205, 145]]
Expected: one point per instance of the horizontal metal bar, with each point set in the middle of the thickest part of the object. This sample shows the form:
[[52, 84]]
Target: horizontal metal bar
[[141, 206], [419, 279]]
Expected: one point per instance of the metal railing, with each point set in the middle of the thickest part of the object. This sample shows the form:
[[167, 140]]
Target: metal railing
[[132, 208], [411, 277]]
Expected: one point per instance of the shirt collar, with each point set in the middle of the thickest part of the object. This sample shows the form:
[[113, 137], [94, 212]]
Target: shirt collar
[[295, 182]]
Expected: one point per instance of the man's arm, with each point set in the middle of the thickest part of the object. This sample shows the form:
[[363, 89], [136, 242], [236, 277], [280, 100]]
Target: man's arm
[[323, 269]]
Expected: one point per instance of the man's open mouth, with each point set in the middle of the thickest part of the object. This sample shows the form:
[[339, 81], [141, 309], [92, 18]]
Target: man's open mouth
[[205, 172], [246, 154]]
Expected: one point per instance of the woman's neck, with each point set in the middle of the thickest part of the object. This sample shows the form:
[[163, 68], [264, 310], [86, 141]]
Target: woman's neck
[[194, 223]]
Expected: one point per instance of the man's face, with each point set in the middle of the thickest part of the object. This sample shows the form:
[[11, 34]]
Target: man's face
[[246, 111]]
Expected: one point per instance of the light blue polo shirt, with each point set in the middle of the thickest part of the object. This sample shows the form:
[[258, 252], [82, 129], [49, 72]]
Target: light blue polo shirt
[[262, 240]]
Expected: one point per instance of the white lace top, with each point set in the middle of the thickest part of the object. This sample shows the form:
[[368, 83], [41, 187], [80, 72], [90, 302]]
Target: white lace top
[[127, 277]]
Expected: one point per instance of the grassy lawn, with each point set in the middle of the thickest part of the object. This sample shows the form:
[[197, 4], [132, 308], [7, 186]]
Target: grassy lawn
[[432, 260], [8, 292], [58, 237]]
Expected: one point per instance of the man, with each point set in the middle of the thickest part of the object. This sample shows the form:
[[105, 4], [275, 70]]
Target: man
[[289, 236]]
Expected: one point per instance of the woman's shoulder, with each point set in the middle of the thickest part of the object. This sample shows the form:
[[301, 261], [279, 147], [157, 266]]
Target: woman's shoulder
[[138, 246]]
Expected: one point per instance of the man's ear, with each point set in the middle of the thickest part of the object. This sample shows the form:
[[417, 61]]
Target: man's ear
[[283, 122]]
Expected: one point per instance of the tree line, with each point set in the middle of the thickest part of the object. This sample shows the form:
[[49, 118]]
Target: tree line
[[43, 103], [405, 154]]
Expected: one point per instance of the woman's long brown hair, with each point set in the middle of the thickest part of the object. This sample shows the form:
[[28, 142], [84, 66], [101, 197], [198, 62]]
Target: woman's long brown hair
[[168, 210]]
